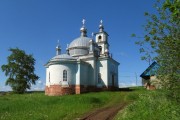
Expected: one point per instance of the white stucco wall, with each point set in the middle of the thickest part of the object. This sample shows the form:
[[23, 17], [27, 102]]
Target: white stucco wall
[[91, 72], [84, 74], [56, 74], [47, 77], [103, 70], [113, 70]]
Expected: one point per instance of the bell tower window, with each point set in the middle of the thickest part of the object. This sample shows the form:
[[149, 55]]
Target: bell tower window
[[99, 38]]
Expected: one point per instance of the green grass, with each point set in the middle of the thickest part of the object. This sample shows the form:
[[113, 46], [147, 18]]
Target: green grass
[[37, 106], [143, 105], [151, 105]]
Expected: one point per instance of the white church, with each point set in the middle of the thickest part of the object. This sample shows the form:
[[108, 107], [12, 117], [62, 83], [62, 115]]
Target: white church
[[87, 66]]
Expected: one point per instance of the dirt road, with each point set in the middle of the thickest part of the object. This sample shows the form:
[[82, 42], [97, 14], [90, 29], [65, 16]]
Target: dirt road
[[107, 113]]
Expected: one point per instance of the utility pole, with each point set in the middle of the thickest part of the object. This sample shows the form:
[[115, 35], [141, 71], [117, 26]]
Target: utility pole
[[136, 78]]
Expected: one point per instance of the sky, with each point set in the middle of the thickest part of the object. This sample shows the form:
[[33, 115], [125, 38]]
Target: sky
[[35, 26]]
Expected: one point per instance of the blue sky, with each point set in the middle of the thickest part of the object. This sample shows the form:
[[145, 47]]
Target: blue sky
[[36, 25]]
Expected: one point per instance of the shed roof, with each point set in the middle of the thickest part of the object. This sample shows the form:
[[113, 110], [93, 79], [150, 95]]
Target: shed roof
[[151, 70]]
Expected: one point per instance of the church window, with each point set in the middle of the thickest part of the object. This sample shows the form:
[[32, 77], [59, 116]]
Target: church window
[[112, 80], [99, 78], [49, 77], [64, 75], [99, 38]]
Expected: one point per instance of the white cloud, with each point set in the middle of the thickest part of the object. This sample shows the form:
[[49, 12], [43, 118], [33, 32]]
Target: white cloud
[[5, 88], [39, 82], [38, 88], [40, 85], [121, 85], [133, 84]]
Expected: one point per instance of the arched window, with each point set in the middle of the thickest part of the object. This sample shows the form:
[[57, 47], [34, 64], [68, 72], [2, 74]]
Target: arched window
[[49, 77], [113, 81], [99, 78], [64, 75], [99, 38]]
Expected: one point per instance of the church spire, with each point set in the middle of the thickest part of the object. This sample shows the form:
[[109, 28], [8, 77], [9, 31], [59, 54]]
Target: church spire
[[83, 29], [58, 49], [101, 27]]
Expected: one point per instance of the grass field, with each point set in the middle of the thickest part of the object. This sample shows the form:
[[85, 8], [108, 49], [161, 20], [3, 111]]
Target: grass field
[[143, 105], [152, 105], [37, 106]]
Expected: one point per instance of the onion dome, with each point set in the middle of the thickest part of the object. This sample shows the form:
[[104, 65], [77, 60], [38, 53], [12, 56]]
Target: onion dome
[[80, 45], [80, 42]]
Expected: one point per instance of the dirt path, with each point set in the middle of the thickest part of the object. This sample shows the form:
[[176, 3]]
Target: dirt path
[[107, 113]]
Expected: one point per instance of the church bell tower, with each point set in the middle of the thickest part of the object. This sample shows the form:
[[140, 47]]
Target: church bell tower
[[102, 40]]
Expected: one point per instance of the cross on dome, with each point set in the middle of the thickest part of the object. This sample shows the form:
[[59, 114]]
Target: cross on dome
[[83, 29], [92, 34], [83, 22], [58, 48], [58, 42], [101, 27], [101, 22]]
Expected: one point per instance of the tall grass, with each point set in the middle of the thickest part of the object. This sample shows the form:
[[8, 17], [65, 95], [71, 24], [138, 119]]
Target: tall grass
[[153, 105], [37, 106]]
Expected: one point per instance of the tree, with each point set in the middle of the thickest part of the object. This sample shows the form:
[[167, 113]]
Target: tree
[[162, 36], [20, 70]]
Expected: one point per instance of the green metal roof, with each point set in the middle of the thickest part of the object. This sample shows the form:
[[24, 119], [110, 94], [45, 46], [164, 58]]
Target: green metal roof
[[151, 70]]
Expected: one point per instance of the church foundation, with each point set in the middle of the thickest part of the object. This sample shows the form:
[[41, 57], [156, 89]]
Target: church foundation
[[57, 90]]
